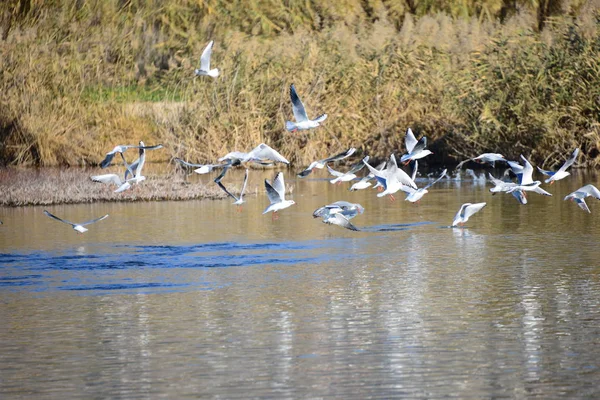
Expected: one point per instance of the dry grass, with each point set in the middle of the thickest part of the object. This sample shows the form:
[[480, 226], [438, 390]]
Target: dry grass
[[80, 77], [21, 187]]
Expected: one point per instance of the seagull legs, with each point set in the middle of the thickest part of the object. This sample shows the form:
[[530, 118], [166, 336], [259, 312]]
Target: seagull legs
[[274, 216], [392, 198]]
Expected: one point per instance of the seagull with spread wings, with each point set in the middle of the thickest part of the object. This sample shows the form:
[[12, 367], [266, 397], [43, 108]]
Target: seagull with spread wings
[[121, 148], [562, 171], [465, 212], [580, 194], [415, 148], [238, 200], [302, 120], [79, 227], [320, 164], [204, 69], [276, 194]]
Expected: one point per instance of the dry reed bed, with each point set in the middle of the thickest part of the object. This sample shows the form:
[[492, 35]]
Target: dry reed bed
[[77, 81]]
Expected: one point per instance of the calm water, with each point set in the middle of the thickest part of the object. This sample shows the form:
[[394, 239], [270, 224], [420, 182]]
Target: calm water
[[193, 299]]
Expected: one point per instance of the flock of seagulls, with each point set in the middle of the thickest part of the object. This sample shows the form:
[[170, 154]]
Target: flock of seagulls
[[389, 178]]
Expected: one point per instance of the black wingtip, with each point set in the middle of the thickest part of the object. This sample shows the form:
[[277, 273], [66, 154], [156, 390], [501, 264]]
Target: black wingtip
[[304, 173]]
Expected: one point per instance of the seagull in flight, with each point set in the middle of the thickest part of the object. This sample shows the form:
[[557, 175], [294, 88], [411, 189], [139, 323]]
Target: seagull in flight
[[121, 148], [580, 194], [276, 194], [346, 176], [415, 148], [562, 171], [202, 168], [78, 227], [485, 158], [302, 120], [465, 212], [525, 175], [259, 154], [392, 178], [339, 213], [238, 200], [320, 164], [204, 69], [414, 196]]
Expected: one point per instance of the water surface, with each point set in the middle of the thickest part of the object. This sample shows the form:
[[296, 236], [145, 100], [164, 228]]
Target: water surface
[[194, 299]]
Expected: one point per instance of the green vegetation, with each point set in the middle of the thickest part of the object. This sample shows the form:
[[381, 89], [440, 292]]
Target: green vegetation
[[505, 76]]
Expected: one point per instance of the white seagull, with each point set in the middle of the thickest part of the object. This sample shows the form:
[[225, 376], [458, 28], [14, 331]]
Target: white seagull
[[202, 168], [346, 176], [78, 227], [415, 148], [302, 120], [364, 182], [526, 182], [121, 148], [259, 154], [349, 210], [414, 196], [489, 158], [580, 194], [204, 69], [466, 210], [238, 200], [562, 171], [320, 164], [276, 193], [392, 178]]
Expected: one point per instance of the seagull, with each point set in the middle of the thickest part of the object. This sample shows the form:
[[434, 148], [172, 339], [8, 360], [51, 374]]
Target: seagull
[[416, 149], [204, 69], [202, 168], [349, 210], [340, 220], [484, 158], [392, 178], [466, 210], [302, 120], [580, 194], [78, 227], [238, 200], [114, 178], [121, 148], [364, 182], [416, 195], [526, 182], [562, 171], [259, 154], [346, 176], [321, 163], [502, 186], [276, 193], [137, 173]]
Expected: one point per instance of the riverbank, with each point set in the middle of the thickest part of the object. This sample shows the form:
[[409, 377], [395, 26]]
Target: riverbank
[[472, 81]]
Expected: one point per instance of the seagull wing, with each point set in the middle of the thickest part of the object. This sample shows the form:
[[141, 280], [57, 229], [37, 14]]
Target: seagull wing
[[410, 140], [546, 172], [205, 57], [339, 219], [222, 174], [93, 220], [340, 156], [244, 184], [272, 193], [225, 190], [308, 169], [582, 204], [437, 180], [527, 172], [591, 190], [358, 166], [570, 160], [539, 190], [265, 152], [415, 169], [297, 106], [520, 196], [334, 172], [107, 178], [460, 214], [472, 209], [59, 219], [279, 185]]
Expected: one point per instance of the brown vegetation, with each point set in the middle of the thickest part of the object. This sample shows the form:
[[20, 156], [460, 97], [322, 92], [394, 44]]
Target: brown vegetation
[[503, 76]]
